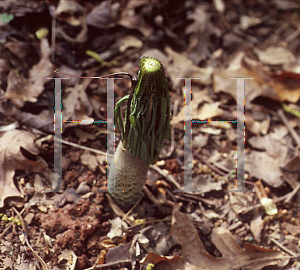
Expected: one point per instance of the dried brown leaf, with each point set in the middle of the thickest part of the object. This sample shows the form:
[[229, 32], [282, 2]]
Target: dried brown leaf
[[283, 86], [207, 111], [233, 256], [183, 67], [19, 89], [283, 56], [13, 145]]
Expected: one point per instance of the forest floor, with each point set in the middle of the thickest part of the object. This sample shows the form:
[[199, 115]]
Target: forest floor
[[250, 224]]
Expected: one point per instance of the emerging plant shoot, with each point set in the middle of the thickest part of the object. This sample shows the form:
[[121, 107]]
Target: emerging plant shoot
[[146, 125]]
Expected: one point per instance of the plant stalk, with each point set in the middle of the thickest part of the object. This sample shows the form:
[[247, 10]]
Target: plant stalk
[[146, 125]]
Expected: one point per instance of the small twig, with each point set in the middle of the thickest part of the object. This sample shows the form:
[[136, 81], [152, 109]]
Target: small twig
[[118, 211], [9, 225], [290, 110], [44, 265], [290, 129], [167, 219], [223, 168], [114, 265], [25, 233], [23, 224], [277, 32], [214, 168], [135, 205], [169, 178], [242, 34], [235, 225], [258, 205], [292, 193], [82, 147], [133, 78], [292, 182], [14, 225], [158, 203], [196, 198], [283, 247], [294, 35], [6, 229]]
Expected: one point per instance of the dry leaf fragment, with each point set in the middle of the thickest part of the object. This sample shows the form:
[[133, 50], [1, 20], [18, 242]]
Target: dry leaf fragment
[[283, 86], [256, 226], [17, 152], [207, 111], [263, 166], [184, 67], [20, 89], [233, 256], [102, 16], [70, 12], [283, 56], [164, 263], [248, 22]]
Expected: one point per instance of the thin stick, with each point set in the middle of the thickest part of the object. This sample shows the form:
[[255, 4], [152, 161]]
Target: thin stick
[[283, 247], [132, 77], [44, 265], [23, 224], [214, 168], [6, 229], [292, 193], [112, 265], [169, 178], [290, 129], [276, 200], [294, 35], [158, 203], [82, 147], [167, 219], [132, 208], [25, 233]]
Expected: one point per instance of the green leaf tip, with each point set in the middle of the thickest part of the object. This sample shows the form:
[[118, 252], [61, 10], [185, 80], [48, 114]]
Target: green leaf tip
[[150, 64], [151, 77], [149, 112]]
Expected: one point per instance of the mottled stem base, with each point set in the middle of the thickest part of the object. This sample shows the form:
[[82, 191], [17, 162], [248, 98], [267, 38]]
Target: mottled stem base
[[126, 186]]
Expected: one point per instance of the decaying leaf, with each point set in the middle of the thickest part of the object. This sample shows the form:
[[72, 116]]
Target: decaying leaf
[[19, 89], [292, 171], [208, 110], [266, 167], [17, 152], [283, 56], [164, 263], [256, 226], [280, 87], [184, 67], [131, 20], [194, 255], [239, 201], [77, 105], [69, 12], [70, 257]]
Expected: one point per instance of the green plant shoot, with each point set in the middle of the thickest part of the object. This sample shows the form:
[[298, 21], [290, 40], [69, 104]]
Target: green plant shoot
[[146, 125]]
